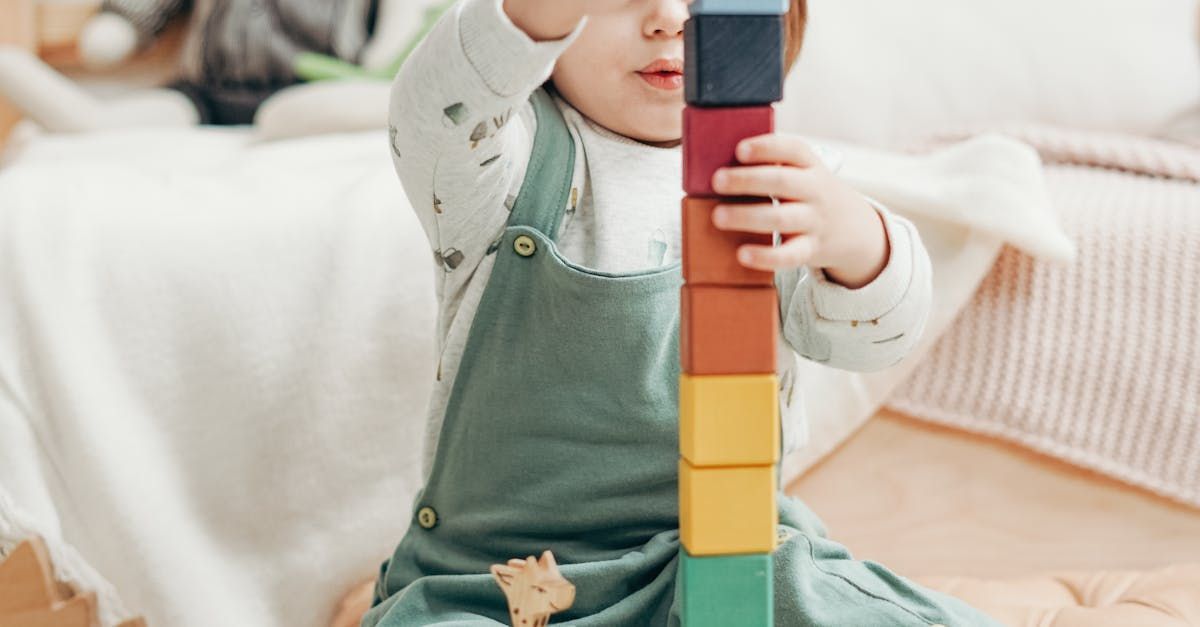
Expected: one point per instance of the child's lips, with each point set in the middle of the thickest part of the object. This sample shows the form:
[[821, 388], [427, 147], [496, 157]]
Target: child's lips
[[663, 73], [666, 79]]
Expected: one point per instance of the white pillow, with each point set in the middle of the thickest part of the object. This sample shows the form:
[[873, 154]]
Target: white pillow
[[887, 73], [1186, 128]]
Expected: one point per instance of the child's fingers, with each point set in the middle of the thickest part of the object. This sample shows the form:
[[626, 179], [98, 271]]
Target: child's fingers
[[788, 217], [777, 148], [792, 253], [780, 181]]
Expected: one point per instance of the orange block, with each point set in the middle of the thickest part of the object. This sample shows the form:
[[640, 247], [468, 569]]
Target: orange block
[[728, 330], [710, 254]]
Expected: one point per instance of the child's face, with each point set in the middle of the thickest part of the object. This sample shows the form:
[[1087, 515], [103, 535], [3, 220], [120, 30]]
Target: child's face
[[625, 71]]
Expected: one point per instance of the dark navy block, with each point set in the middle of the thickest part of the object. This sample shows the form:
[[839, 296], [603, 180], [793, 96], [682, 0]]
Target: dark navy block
[[733, 60], [740, 7]]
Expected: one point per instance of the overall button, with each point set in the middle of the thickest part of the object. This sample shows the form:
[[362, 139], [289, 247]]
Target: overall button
[[525, 246], [427, 517]]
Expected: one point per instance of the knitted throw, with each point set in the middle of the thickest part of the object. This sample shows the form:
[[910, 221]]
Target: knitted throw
[[1095, 363]]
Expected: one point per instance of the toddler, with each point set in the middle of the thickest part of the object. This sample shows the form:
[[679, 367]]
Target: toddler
[[539, 141]]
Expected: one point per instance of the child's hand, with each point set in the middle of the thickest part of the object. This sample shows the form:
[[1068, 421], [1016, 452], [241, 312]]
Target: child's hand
[[825, 223]]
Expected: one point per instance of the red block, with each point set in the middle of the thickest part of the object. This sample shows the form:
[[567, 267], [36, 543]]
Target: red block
[[710, 139], [710, 254], [728, 330]]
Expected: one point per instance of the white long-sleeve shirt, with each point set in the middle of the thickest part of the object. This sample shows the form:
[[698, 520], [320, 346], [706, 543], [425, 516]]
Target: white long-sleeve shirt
[[462, 131]]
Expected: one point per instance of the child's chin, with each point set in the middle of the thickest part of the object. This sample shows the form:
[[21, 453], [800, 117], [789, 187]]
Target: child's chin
[[665, 128], [655, 123], [642, 119], [658, 137]]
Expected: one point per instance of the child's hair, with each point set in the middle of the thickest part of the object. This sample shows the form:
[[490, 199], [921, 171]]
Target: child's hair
[[796, 20]]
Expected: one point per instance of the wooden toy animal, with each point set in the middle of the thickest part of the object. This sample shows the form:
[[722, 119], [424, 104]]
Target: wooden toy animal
[[535, 589]]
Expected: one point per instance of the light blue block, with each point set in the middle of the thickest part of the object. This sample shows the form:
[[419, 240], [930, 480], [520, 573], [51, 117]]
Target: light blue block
[[740, 7]]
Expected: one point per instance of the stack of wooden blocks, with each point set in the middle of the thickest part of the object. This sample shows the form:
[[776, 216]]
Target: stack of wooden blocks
[[729, 404]]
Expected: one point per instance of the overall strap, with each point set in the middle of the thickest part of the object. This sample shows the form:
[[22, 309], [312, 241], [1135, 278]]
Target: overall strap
[[546, 189]]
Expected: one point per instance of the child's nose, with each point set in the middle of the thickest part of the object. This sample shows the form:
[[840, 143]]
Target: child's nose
[[665, 18]]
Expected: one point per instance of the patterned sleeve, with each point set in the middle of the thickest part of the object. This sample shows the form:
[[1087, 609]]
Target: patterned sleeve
[[867, 329], [149, 17], [462, 130]]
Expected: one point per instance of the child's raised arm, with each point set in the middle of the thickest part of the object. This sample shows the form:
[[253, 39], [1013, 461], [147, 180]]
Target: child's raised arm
[[462, 126]]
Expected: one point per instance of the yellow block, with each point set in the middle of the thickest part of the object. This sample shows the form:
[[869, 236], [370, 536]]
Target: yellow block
[[727, 511], [729, 420]]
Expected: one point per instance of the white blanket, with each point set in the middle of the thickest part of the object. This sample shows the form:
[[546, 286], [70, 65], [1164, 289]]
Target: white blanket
[[214, 354]]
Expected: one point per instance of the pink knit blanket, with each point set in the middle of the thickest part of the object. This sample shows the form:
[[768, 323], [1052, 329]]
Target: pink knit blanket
[[1096, 363]]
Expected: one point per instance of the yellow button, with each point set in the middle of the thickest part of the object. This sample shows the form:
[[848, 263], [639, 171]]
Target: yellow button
[[427, 517], [782, 535], [525, 246]]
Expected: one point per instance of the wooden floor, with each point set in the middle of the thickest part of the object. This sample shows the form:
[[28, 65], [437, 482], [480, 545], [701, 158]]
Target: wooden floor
[[925, 500]]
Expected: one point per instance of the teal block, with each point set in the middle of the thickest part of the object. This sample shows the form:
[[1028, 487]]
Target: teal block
[[727, 590], [740, 7]]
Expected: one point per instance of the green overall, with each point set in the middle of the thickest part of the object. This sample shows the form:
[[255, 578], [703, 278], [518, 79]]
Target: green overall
[[561, 434]]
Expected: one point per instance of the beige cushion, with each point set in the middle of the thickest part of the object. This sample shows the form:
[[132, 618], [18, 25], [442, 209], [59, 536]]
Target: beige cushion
[[1168, 598]]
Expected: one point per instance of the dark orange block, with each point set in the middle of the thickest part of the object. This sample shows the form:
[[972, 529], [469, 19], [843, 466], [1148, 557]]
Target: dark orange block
[[728, 330], [710, 254]]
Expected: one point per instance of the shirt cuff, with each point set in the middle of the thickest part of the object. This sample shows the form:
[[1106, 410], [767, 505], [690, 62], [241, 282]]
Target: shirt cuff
[[507, 59], [874, 300]]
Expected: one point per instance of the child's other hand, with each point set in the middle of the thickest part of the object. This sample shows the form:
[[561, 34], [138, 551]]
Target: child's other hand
[[824, 222]]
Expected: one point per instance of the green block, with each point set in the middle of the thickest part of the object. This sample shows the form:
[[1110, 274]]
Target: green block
[[727, 590]]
